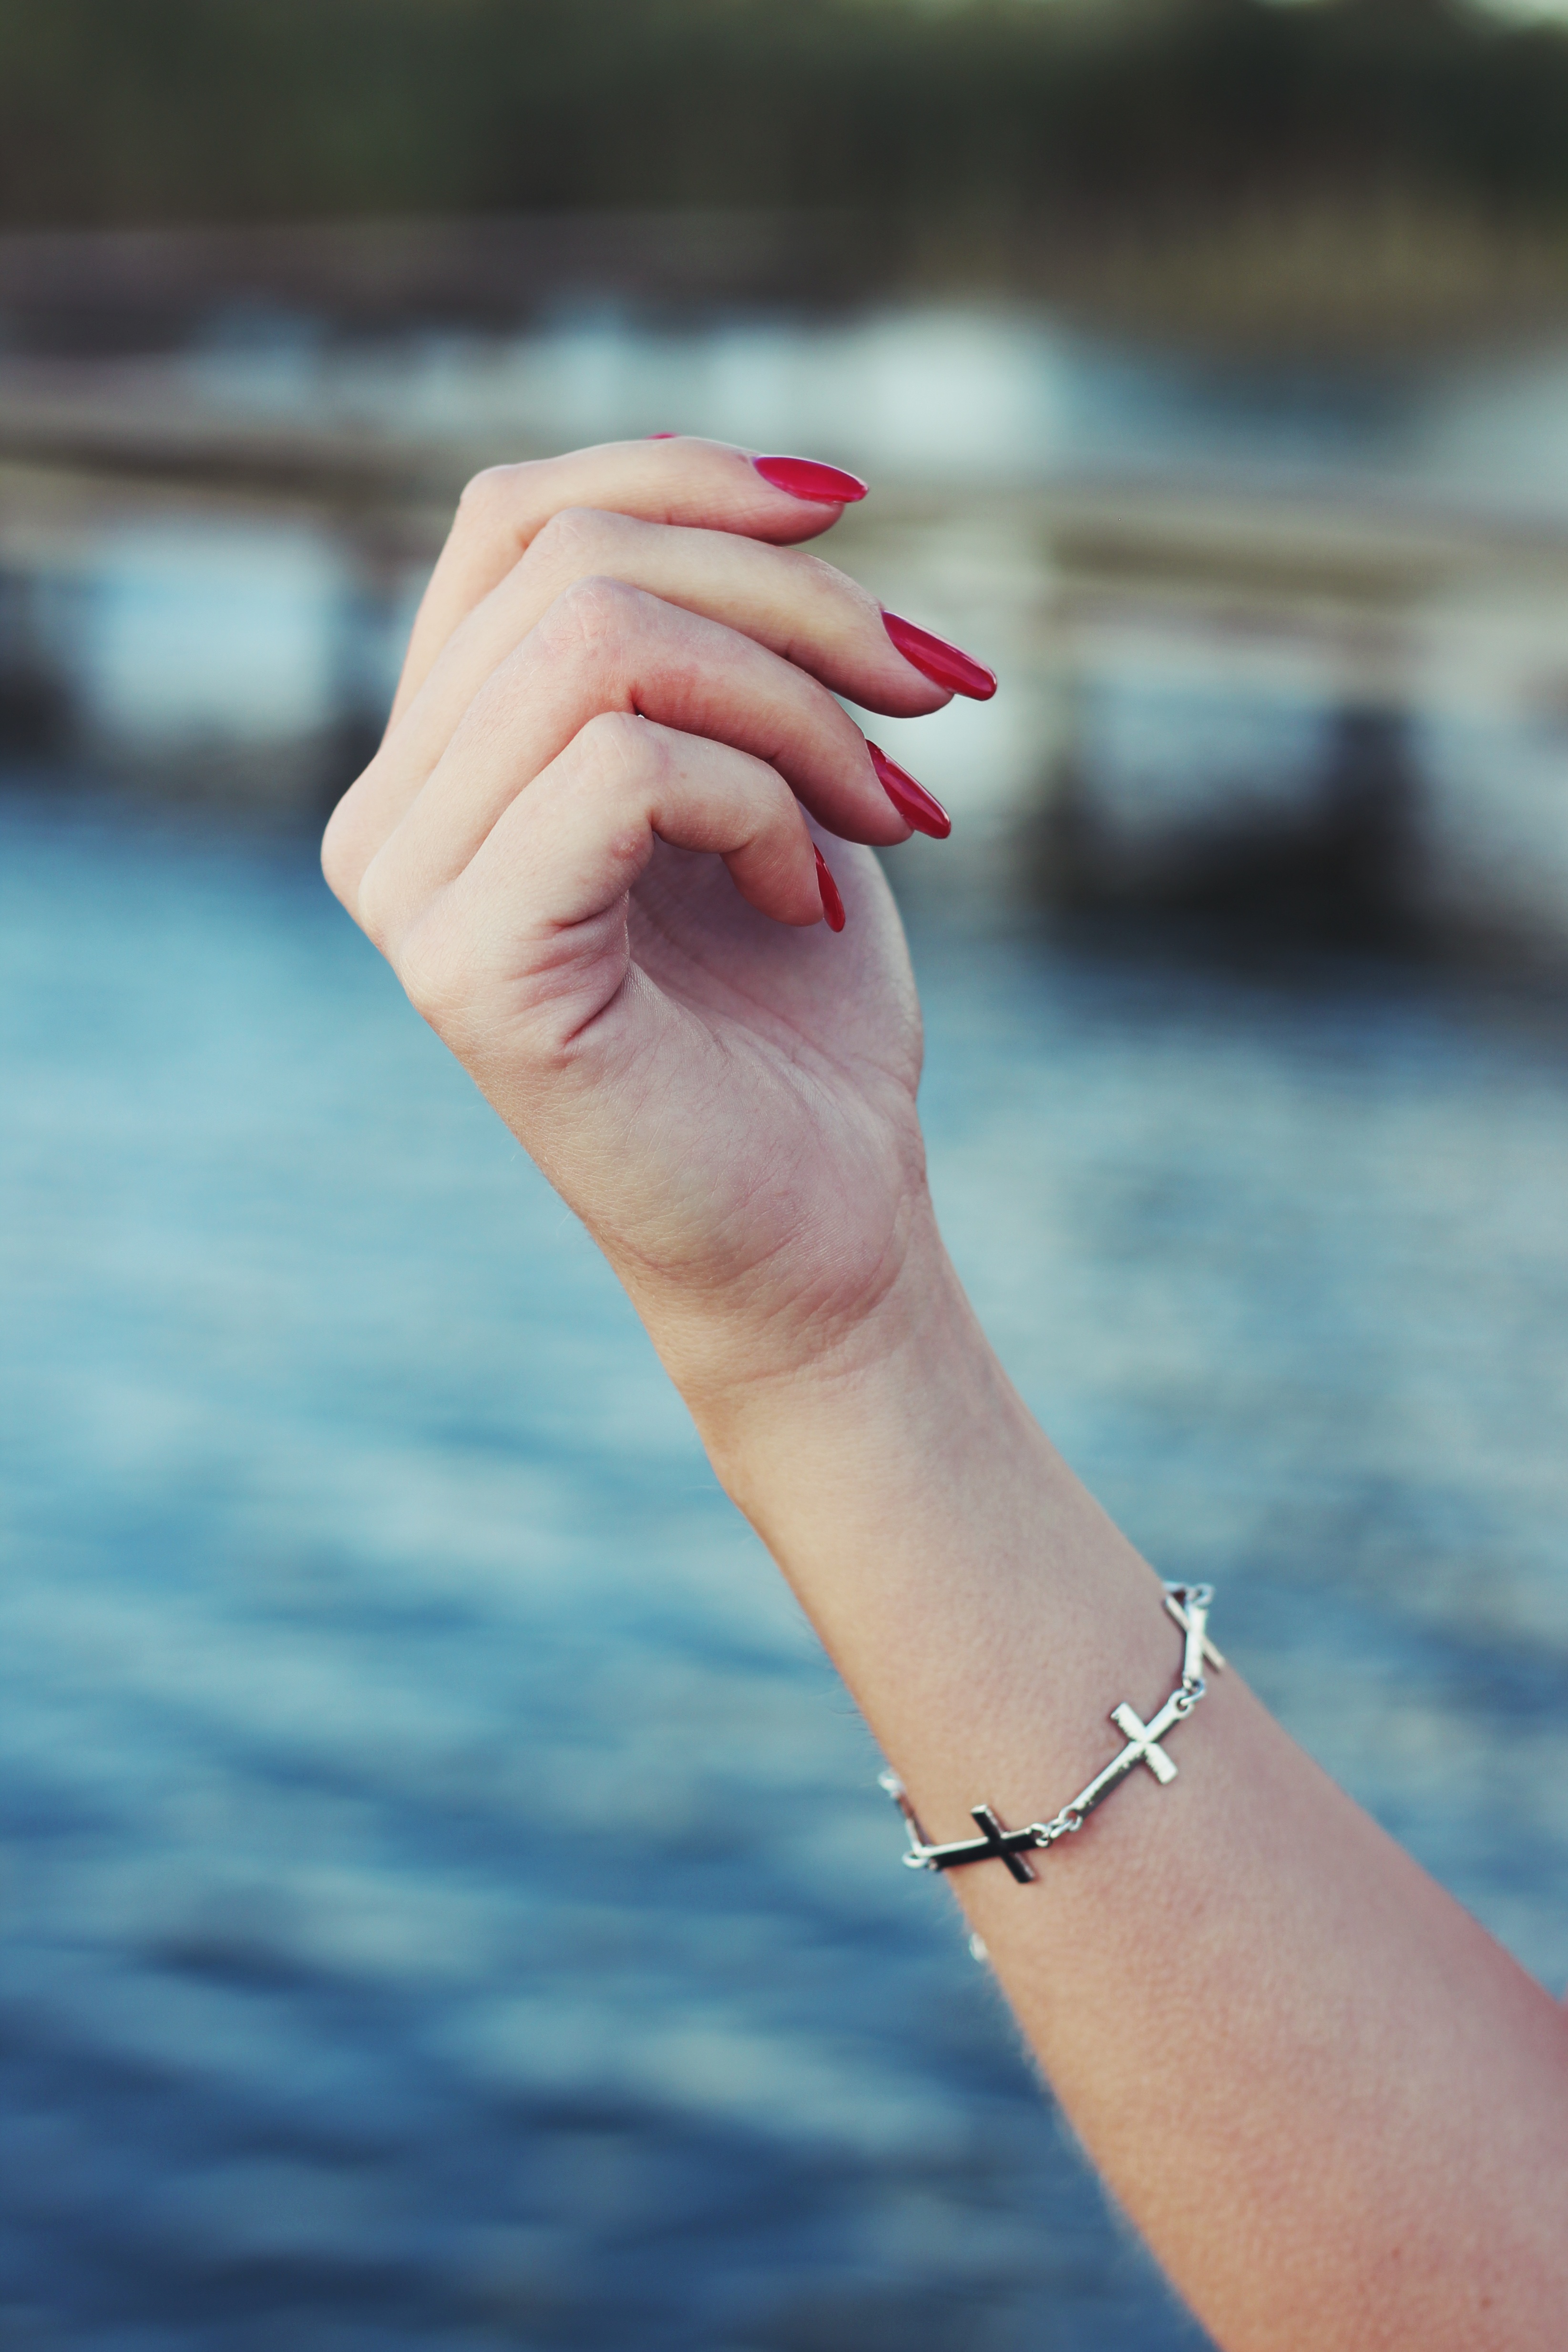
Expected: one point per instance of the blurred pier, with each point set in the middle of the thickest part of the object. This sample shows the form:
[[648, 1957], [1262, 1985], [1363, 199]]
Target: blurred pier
[[1320, 693]]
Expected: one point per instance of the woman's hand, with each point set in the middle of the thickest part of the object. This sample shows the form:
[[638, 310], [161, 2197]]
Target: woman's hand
[[620, 678]]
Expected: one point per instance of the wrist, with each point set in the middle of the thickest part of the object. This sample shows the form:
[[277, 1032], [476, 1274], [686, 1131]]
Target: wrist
[[750, 1345], [945, 1553], [900, 1428], [816, 1383]]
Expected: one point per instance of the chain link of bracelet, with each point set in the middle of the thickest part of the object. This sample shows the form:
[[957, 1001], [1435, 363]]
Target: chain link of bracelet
[[1189, 1605]]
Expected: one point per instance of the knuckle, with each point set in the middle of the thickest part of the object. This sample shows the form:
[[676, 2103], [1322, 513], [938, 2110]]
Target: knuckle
[[618, 748], [372, 907], [335, 859], [575, 537], [591, 620], [613, 734], [368, 915], [343, 842], [486, 497], [432, 967], [600, 606]]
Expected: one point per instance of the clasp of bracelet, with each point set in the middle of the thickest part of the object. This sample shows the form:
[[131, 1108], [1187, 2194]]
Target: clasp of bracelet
[[1189, 1605]]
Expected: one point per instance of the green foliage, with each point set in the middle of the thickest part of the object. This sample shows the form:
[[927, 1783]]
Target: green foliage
[[181, 109]]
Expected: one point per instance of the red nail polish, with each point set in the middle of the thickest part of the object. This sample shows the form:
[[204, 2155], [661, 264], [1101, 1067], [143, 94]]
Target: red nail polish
[[661, 436], [915, 805], [803, 477], [942, 664], [833, 905]]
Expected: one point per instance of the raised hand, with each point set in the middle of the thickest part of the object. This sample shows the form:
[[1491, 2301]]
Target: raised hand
[[603, 707]]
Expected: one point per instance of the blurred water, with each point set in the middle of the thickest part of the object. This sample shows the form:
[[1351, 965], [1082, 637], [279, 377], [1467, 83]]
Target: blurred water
[[448, 1901]]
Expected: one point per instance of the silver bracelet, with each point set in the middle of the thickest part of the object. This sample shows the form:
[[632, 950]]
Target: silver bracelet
[[1189, 1605]]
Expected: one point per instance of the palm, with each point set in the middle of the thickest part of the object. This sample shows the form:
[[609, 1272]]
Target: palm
[[751, 1094], [849, 996]]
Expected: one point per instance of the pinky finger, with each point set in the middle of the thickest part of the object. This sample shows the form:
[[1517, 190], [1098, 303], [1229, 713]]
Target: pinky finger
[[577, 839], [685, 790]]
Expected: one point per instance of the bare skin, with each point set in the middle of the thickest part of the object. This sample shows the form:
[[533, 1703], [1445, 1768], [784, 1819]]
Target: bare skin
[[1335, 2107]]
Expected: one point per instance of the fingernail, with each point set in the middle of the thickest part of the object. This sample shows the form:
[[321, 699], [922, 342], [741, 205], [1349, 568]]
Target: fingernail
[[661, 436], [833, 905], [915, 805], [942, 664], [803, 477]]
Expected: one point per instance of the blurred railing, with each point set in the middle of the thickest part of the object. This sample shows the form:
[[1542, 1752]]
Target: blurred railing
[[1344, 705]]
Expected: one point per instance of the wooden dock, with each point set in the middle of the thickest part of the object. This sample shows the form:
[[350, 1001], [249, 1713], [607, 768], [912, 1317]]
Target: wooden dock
[[1396, 618]]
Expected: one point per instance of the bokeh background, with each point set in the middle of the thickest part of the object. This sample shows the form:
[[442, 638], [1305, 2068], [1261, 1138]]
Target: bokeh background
[[447, 1901]]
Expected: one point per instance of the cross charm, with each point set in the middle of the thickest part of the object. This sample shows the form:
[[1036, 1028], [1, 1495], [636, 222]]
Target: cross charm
[[1143, 1747], [994, 1845], [1188, 1604], [1142, 1741]]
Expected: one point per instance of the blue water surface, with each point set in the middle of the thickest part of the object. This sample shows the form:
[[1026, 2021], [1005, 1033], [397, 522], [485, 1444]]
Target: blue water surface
[[448, 1898]]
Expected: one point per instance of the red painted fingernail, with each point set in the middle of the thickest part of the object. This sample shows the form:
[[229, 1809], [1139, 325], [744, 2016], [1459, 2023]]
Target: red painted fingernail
[[661, 436], [833, 905], [803, 477], [942, 664], [915, 805]]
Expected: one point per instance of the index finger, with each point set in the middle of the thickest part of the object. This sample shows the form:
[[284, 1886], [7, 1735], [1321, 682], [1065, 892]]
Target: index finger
[[707, 484]]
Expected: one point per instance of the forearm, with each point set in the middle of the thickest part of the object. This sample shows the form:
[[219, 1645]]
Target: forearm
[[1337, 2109]]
